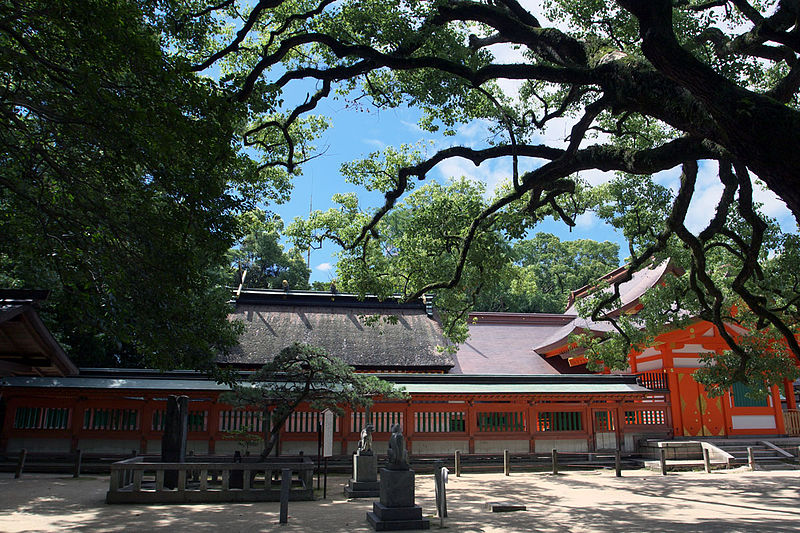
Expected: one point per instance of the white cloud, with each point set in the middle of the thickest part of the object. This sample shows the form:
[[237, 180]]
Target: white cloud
[[324, 267], [380, 145], [774, 207], [491, 173], [595, 177], [587, 221], [413, 126]]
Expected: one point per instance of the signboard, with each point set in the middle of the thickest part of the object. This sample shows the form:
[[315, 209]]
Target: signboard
[[327, 433]]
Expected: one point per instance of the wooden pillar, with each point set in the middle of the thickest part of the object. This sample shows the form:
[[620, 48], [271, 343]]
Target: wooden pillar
[[591, 441], [675, 404], [8, 423], [726, 412], [408, 429], [146, 424], [345, 425], [533, 425], [778, 410], [788, 391], [78, 406], [471, 425], [619, 420], [213, 425]]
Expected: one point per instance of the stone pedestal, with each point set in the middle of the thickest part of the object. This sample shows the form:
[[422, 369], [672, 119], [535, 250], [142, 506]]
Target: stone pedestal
[[364, 483], [397, 510]]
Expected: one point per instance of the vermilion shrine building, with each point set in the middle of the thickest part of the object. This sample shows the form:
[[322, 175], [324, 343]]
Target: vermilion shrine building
[[516, 384]]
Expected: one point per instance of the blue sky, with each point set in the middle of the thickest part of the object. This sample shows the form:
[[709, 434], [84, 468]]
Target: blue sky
[[357, 131]]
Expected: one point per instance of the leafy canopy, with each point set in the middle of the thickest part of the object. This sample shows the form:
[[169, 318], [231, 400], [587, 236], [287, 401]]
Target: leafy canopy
[[303, 373], [641, 86], [260, 258]]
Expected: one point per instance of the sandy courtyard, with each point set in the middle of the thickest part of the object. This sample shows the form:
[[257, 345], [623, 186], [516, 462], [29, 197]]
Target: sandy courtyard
[[589, 501]]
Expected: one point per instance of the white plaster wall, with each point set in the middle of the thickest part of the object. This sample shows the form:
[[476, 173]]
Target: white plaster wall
[[441, 446], [15, 444], [378, 446], [497, 446], [606, 441], [753, 422], [686, 362], [562, 445], [650, 365], [109, 445]]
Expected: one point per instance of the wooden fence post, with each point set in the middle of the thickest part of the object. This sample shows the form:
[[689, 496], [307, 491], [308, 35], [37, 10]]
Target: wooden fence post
[[617, 463], [555, 461], [707, 460], [76, 471], [663, 458], [506, 463], [458, 463], [286, 483], [20, 463], [751, 459]]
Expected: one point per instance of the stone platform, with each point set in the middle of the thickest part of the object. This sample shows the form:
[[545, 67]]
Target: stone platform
[[364, 483], [397, 511], [383, 518], [362, 489]]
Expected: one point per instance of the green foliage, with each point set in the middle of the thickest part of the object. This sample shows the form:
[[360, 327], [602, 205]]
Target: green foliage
[[261, 255], [419, 243], [302, 373], [119, 182], [544, 272]]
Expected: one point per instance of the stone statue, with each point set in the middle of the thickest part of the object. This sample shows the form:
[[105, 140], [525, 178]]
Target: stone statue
[[398, 455], [365, 444]]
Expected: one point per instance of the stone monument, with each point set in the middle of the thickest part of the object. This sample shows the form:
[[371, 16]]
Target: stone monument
[[396, 509], [173, 443], [364, 483]]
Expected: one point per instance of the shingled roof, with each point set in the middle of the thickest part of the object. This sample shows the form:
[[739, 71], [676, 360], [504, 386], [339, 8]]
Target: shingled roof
[[404, 337], [502, 343], [26, 345]]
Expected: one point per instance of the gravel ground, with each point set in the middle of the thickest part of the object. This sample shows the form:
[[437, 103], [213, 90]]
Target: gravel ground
[[735, 500]]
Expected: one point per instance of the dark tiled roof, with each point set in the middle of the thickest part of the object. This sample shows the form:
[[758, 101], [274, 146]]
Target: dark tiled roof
[[274, 320]]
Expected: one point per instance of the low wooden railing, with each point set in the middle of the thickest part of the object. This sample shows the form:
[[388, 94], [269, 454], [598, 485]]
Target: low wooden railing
[[654, 380], [791, 419], [142, 480]]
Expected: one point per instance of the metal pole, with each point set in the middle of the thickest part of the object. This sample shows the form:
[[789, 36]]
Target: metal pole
[[555, 461], [663, 458], [707, 460], [617, 463], [506, 463]]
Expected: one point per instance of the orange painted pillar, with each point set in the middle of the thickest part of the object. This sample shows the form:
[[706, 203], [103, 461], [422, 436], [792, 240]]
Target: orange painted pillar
[[788, 391], [408, 430], [213, 425], [471, 426], [533, 425], [726, 413], [675, 403], [776, 402]]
